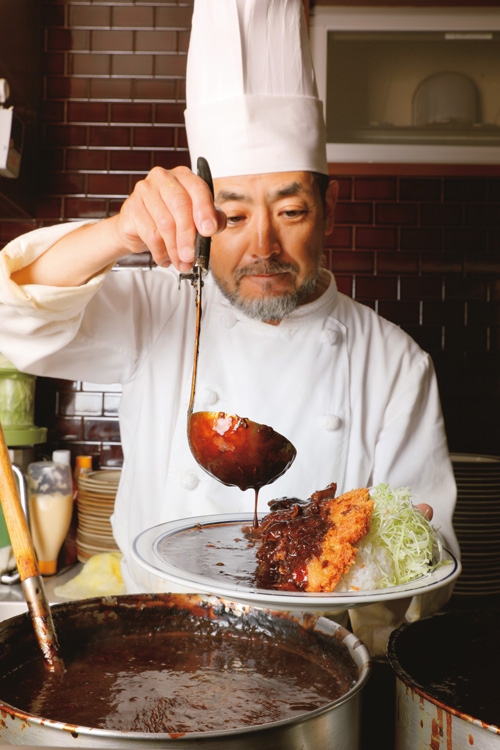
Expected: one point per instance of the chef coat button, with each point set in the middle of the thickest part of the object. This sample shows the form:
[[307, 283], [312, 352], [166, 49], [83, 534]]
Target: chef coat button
[[208, 397], [330, 336], [189, 480], [229, 320], [330, 422]]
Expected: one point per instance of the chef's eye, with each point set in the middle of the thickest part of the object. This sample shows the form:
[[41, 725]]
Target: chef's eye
[[295, 213], [234, 220]]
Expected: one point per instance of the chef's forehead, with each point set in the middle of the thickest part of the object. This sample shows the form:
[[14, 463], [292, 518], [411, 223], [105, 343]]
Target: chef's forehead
[[273, 186]]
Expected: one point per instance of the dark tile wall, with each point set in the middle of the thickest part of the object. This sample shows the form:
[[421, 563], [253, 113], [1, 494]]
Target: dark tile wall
[[424, 251]]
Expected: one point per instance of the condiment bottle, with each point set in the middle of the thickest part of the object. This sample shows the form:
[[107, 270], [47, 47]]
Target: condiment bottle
[[67, 554], [69, 551], [50, 504], [83, 465], [63, 456]]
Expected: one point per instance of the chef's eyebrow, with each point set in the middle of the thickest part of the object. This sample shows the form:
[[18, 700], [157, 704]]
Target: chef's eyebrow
[[292, 189], [224, 196]]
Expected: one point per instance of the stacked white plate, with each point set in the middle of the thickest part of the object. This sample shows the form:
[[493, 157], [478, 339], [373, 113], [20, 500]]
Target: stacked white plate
[[96, 498], [477, 523]]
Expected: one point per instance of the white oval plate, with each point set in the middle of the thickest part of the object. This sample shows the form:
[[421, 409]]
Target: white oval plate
[[210, 554]]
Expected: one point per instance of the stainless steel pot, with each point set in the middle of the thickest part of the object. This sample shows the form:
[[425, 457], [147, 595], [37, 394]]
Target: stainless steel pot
[[447, 686], [333, 727]]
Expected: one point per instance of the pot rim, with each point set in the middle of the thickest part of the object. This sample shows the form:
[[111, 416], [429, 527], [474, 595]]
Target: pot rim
[[445, 707], [406, 679]]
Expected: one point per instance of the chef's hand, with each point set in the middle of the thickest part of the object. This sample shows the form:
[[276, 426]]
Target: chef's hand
[[163, 214], [425, 510]]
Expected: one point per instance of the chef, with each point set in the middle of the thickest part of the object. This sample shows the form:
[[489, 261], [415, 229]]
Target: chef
[[279, 343]]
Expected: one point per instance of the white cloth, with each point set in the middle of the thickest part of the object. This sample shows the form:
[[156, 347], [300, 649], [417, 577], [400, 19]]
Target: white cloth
[[352, 391]]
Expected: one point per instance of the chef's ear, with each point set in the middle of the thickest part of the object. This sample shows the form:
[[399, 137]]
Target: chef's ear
[[332, 194]]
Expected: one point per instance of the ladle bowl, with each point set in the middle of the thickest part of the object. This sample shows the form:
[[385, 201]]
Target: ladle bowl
[[237, 451]]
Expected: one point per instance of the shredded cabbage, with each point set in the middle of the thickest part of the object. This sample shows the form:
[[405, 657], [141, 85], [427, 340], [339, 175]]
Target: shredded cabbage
[[410, 539]]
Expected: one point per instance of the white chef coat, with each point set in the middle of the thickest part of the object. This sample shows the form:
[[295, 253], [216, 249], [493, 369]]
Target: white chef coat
[[352, 391]]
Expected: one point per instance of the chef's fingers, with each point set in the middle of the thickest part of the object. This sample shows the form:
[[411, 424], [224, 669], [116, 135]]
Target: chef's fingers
[[169, 232], [189, 200], [164, 212], [139, 221], [425, 510]]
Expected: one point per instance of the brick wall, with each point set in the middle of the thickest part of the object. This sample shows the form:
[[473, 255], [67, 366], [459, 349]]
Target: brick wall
[[425, 253], [422, 250]]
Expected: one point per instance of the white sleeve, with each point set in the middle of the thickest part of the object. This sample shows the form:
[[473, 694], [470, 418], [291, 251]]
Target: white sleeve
[[98, 332], [26, 311]]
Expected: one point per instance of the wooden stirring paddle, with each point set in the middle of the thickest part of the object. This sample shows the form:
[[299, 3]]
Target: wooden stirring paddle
[[24, 552]]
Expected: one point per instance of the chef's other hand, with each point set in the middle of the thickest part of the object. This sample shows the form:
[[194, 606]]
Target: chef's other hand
[[425, 510], [163, 213]]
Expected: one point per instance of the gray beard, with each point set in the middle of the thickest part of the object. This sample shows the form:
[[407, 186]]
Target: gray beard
[[274, 307]]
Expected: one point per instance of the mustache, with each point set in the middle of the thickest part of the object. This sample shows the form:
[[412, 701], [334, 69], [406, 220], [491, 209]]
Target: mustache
[[265, 268]]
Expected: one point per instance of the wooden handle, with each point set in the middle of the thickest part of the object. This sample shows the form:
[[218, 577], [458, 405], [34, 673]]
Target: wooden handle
[[15, 520], [24, 552]]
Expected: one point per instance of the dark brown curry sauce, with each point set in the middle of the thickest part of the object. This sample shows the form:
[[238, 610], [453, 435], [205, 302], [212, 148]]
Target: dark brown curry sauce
[[199, 677], [288, 537]]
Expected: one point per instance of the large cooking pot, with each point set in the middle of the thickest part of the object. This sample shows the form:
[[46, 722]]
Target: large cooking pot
[[447, 682], [334, 726]]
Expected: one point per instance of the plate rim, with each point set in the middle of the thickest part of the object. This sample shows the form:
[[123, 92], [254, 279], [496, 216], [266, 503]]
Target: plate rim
[[144, 554]]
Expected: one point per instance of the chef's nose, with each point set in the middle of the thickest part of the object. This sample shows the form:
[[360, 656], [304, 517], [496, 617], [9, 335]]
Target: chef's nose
[[266, 241]]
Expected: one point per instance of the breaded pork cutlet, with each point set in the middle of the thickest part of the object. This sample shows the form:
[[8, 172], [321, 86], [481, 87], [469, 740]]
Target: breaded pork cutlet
[[310, 546]]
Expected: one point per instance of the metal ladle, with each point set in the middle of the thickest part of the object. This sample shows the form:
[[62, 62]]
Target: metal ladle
[[232, 449], [237, 451]]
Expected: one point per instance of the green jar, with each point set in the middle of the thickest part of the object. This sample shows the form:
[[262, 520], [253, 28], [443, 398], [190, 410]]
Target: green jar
[[17, 412], [17, 396]]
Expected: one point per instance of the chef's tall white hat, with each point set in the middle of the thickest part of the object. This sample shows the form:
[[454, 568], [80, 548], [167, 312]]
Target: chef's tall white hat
[[252, 101]]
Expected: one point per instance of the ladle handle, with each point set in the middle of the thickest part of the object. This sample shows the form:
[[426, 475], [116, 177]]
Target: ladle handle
[[202, 245], [200, 267], [24, 552]]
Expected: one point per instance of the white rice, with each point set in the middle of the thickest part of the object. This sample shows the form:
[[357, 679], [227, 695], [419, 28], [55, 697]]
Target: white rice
[[371, 569], [400, 546]]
